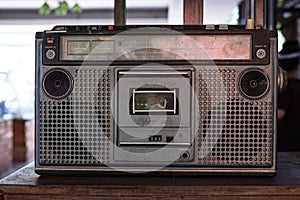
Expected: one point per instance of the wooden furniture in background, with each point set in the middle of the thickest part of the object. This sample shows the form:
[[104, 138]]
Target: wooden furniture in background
[[22, 140], [6, 145], [193, 12], [25, 184]]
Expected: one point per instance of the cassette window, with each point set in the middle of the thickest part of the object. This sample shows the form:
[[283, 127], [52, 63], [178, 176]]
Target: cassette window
[[153, 101]]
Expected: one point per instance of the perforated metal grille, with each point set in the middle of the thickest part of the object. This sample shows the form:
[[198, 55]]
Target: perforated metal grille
[[76, 130], [232, 131]]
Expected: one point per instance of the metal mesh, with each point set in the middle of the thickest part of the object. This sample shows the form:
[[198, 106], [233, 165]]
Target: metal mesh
[[233, 131], [76, 130]]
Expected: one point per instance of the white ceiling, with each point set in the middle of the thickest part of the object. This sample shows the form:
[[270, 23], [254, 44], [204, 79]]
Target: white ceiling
[[215, 11], [83, 3]]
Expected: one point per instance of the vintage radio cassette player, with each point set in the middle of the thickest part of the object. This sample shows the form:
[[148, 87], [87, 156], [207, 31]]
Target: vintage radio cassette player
[[184, 99]]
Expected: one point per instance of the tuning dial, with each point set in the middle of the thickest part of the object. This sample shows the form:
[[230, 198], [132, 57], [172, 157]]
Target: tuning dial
[[261, 53], [282, 80], [50, 54]]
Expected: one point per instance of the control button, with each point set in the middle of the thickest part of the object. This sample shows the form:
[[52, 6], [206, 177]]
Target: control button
[[155, 138], [110, 28], [50, 54], [261, 53], [94, 28], [50, 41], [210, 27], [59, 28], [223, 27]]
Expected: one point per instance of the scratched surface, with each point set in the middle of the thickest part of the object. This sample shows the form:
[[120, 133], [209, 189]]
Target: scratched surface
[[169, 46], [25, 184]]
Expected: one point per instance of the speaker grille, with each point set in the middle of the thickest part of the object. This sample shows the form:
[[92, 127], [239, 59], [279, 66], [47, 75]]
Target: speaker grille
[[232, 131], [76, 130]]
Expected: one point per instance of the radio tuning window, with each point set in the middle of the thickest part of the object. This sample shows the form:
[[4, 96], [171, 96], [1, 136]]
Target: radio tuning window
[[157, 47], [78, 47], [103, 47], [154, 101]]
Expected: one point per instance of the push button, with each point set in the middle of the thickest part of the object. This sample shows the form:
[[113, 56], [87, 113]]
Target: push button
[[50, 41]]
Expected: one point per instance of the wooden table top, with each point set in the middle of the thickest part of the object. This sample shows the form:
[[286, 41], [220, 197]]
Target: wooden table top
[[285, 185]]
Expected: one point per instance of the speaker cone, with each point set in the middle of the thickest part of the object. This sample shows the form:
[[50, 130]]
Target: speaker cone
[[254, 83], [57, 83]]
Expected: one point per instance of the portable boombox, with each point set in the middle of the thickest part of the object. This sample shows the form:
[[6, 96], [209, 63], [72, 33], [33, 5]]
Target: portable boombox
[[182, 99]]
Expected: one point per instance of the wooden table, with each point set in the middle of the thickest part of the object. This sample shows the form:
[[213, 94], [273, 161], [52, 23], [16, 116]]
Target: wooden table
[[6, 145], [25, 184]]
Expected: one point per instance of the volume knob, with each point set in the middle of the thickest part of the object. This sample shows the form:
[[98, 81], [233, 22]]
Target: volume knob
[[50, 54]]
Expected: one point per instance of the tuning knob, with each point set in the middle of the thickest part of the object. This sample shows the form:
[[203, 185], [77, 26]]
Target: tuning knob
[[282, 80]]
